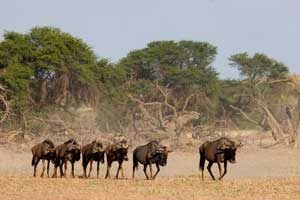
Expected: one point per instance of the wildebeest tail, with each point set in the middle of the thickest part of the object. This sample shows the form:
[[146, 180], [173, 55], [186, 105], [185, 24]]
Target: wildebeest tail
[[202, 157], [33, 160]]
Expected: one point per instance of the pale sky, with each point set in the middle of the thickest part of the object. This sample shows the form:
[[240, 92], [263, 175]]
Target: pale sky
[[113, 28]]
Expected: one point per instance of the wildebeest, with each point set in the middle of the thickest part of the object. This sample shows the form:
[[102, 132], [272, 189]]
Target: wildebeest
[[68, 151], [42, 151], [116, 152], [148, 154], [218, 151], [93, 151]]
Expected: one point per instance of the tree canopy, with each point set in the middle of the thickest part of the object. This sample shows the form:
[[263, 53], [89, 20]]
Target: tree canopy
[[54, 62], [166, 82], [148, 63], [258, 66]]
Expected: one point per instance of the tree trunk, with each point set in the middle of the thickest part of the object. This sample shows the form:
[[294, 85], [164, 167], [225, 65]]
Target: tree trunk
[[277, 131], [297, 133], [44, 92]]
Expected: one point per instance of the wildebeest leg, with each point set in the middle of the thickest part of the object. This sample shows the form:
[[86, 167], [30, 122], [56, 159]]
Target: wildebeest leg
[[84, 166], [37, 160], [134, 165], [61, 168], [225, 170], [120, 168], [54, 172], [56, 164], [66, 167], [43, 162], [98, 164], [73, 174], [91, 167], [220, 169], [150, 166], [133, 171], [157, 170], [48, 166], [122, 172], [209, 170], [108, 170], [145, 171]]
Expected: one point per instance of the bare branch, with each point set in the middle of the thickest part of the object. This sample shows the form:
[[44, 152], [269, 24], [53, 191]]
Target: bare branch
[[245, 115], [165, 94], [6, 108], [2, 88], [260, 81], [187, 101], [148, 118], [279, 81]]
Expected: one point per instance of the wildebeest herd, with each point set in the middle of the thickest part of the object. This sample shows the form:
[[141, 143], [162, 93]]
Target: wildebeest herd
[[218, 151]]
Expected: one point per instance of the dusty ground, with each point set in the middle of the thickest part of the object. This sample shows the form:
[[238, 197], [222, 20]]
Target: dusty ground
[[259, 174]]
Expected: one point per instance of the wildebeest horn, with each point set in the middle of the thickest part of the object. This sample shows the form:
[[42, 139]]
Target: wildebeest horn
[[161, 148], [164, 149], [238, 144], [50, 150], [125, 145], [224, 146], [169, 150], [74, 146]]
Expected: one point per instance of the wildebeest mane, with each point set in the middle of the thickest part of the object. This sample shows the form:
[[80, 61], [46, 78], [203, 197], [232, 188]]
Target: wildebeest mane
[[49, 142]]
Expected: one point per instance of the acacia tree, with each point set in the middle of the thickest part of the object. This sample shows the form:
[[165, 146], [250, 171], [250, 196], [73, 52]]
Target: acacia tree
[[170, 78], [150, 63], [257, 69], [261, 74], [47, 65]]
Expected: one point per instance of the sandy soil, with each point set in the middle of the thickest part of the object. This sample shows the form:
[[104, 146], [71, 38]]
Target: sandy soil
[[258, 174]]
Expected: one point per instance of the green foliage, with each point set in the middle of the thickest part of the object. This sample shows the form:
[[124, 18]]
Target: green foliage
[[47, 69], [15, 49], [148, 63], [140, 87], [46, 54], [17, 77], [232, 90], [258, 66], [59, 52], [191, 79], [110, 74]]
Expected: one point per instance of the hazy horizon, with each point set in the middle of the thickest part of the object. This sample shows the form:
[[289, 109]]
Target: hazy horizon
[[114, 28]]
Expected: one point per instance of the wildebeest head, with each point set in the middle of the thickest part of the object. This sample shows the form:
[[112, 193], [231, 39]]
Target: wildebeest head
[[51, 152], [161, 155], [229, 155], [97, 147], [121, 148], [73, 150], [44, 150], [98, 150], [227, 148], [49, 148]]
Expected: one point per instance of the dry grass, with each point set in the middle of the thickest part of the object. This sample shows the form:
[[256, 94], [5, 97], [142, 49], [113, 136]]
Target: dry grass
[[259, 174], [186, 188]]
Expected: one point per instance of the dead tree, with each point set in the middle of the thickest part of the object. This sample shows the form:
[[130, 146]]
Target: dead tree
[[4, 105], [173, 122], [292, 136]]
